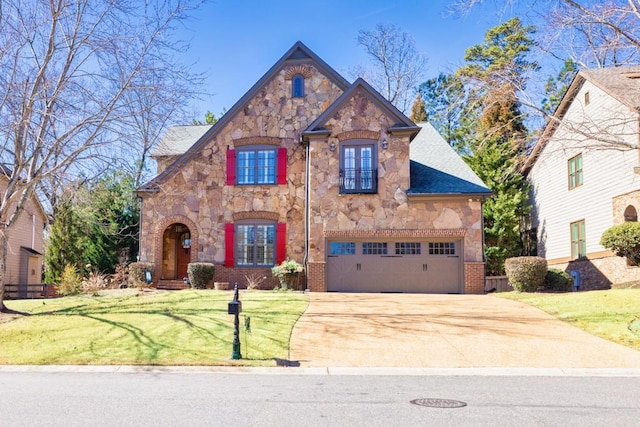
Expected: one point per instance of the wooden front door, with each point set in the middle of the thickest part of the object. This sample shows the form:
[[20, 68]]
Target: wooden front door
[[183, 255]]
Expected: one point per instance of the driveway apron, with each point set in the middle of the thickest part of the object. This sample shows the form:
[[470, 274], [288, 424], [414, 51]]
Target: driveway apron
[[443, 331]]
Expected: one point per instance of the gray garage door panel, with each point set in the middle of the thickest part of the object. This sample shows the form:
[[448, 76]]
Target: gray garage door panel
[[422, 273]]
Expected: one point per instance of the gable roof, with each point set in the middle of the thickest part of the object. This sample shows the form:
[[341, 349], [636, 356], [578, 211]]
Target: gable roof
[[621, 83], [401, 122], [5, 173], [179, 139], [437, 169], [298, 53]]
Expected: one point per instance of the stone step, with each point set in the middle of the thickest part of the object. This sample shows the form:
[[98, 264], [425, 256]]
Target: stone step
[[172, 285]]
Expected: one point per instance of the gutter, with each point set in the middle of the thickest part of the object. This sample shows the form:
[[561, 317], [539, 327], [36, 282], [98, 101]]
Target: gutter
[[307, 189]]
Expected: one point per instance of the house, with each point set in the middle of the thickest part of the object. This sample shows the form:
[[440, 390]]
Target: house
[[309, 167], [25, 246], [584, 174]]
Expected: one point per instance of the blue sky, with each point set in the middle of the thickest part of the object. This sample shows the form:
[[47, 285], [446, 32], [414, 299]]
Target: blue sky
[[236, 42]]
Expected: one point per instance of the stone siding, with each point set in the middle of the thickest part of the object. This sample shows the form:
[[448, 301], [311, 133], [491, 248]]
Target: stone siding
[[600, 272], [620, 203], [197, 193]]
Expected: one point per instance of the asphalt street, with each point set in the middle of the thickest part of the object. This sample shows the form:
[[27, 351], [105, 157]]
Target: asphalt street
[[304, 397]]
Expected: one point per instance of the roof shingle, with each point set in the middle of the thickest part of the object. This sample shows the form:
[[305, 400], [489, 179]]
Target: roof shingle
[[437, 169]]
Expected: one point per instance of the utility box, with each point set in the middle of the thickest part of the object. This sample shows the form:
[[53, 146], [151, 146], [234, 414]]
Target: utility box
[[575, 275]]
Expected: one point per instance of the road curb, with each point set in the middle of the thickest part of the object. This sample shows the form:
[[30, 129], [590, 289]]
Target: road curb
[[336, 371]]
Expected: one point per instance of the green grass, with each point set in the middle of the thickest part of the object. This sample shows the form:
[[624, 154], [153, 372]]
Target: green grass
[[613, 314], [188, 327]]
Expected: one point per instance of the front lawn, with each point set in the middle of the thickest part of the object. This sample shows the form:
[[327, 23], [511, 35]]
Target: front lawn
[[612, 314], [130, 327]]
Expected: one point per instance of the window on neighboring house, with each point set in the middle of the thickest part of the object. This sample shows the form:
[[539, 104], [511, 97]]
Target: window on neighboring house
[[257, 165], [297, 86], [575, 171], [630, 214], [587, 98], [578, 240], [358, 168]]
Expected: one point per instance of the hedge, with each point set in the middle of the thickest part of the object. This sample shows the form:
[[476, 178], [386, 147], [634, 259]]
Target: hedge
[[526, 273]]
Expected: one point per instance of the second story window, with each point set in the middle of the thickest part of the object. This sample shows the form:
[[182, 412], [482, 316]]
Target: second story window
[[358, 168], [575, 171], [297, 88], [257, 165]]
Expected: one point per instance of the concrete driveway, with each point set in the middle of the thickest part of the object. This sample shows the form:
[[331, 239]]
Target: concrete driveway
[[443, 331]]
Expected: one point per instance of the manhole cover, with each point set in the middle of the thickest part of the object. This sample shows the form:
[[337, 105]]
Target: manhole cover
[[439, 403]]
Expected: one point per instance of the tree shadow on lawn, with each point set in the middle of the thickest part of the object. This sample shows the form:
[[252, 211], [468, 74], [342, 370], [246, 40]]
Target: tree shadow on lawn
[[147, 348]]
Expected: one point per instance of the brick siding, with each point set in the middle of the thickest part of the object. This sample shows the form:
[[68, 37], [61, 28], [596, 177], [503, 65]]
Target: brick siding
[[474, 277]]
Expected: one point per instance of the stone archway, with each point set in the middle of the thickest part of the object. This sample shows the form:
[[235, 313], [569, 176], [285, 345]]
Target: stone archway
[[630, 214], [176, 245], [176, 251]]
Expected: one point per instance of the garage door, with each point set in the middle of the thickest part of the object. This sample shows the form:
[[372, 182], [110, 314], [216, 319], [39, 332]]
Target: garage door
[[394, 266]]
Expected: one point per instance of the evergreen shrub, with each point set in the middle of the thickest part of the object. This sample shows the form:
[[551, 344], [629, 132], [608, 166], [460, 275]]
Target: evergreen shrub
[[200, 274], [526, 273]]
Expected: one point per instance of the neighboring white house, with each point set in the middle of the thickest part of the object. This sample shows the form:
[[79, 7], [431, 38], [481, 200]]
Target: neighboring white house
[[25, 245], [585, 175]]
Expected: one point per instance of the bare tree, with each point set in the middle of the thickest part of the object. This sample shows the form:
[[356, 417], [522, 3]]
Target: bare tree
[[66, 67], [157, 99], [593, 33], [398, 66]]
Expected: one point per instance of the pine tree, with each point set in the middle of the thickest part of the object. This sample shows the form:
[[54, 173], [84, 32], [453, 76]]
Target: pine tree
[[498, 70], [451, 108], [418, 113], [556, 87], [65, 242]]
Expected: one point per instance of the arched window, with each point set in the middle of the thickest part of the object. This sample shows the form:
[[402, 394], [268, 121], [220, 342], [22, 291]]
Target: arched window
[[297, 86], [630, 214]]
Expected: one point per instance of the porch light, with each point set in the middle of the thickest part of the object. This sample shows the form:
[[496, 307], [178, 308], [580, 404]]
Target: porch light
[[332, 147], [385, 144]]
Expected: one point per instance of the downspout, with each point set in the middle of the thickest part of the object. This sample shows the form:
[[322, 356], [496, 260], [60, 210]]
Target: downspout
[[33, 231], [306, 210], [484, 255], [139, 200]]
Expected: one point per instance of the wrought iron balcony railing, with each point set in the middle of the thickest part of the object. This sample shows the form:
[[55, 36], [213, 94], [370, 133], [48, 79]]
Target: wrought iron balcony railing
[[358, 181]]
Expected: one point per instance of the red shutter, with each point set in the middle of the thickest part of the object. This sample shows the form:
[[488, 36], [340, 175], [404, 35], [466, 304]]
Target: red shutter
[[231, 167], [282, 165], [229, 244], [281, 242]]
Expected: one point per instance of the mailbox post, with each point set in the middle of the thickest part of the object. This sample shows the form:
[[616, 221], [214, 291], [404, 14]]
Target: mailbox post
[[235, 307]]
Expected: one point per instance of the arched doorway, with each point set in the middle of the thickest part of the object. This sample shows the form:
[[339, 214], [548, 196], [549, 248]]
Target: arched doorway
[[630, 214], [176, 251]]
